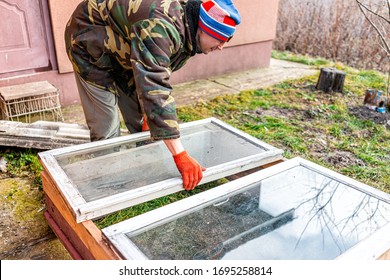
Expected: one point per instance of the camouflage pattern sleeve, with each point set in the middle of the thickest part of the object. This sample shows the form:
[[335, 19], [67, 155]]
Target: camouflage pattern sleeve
[[133, 45], [84, 37], [153, 43]]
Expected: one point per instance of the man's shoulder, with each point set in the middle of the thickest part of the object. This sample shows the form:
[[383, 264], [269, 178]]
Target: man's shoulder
[[166, 7]]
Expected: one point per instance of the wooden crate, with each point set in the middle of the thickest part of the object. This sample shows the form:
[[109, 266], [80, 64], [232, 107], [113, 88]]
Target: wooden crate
[[22, 101], [82, 240]]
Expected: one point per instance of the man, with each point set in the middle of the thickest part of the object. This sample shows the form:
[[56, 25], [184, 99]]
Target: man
[[123, 53]]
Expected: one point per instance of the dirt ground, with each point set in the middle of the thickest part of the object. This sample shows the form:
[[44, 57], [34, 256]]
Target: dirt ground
[[24, 232]]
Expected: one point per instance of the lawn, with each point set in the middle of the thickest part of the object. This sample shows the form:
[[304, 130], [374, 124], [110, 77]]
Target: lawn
[[334, 130]]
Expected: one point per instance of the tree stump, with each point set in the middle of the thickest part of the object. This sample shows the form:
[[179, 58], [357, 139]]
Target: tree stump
[[330, 80]]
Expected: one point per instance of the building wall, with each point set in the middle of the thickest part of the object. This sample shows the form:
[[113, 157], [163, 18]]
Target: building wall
[[250, 48]]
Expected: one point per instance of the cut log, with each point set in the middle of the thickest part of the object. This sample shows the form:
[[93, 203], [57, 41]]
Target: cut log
[[331, 79], [338, 83]]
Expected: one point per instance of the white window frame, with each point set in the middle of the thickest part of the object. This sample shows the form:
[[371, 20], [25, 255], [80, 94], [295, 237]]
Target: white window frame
[[83, 210], [370, 248]]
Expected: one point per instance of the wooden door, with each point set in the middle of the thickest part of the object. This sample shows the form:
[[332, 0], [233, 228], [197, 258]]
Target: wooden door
[[23, 38]]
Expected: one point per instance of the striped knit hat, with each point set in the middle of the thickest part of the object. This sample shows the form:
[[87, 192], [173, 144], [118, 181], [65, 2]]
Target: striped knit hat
[[218, 18]]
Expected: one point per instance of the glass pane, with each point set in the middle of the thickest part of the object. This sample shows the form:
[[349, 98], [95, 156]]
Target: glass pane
[[297, 214], [110, 170]]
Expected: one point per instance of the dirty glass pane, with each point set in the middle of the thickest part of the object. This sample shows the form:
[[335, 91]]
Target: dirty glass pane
[[106, 171], [297, 214]]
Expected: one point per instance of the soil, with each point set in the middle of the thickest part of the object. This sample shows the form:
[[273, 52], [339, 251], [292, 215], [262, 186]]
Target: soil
[[24, 232], [364, 113]]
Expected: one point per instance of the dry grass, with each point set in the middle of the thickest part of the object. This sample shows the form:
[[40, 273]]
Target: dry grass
[[332, 29]]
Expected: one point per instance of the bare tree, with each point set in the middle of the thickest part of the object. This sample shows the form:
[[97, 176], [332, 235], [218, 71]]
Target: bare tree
[[332, 29], [378, 15]]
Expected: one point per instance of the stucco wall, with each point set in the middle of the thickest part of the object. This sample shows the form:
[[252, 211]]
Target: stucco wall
[[258, 25], [250, 48], [60, 12]]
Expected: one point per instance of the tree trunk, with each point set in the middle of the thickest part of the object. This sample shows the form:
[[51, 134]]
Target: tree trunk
[[331, 80], [338, 83]]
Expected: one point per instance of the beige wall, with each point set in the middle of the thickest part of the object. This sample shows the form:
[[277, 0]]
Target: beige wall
[[258, 21], [258, 25], [60, 12], [250, 48]]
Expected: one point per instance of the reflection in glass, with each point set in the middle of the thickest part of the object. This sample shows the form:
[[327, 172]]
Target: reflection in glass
[[297, 214], [106, 171]]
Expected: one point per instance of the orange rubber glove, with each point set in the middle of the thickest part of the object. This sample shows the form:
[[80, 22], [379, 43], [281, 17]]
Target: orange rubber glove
[[145, 126], [190, 170]]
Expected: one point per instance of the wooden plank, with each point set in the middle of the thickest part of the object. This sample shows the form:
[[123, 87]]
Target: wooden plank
[[85, 236], [65, 232], [61, 235], [35, 144], [42, 126], [67, 130], [385, 256], [28, 132], [42, 135], [64, 132]]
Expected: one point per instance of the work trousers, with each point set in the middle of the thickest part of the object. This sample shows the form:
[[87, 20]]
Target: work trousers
[[101, 110]]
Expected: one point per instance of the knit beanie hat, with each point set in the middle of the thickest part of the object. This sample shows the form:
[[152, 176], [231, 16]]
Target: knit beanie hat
[[218, 18]]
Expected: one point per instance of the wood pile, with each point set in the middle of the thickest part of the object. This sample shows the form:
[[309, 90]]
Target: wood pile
[[42, 135]]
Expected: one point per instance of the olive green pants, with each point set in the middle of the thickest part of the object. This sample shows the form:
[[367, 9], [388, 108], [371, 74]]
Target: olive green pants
[[101, 110]]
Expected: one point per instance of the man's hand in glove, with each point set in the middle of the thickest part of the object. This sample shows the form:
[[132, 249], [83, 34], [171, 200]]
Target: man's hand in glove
[[190, 170], [145, 126]]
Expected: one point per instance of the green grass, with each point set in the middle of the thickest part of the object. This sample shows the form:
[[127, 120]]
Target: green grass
[[302, 121], [293, 116], [300, 58], [153, 204], [21, 185], [22, 163]]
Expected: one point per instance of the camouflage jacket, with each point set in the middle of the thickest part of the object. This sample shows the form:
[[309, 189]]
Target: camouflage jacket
[[133, 44]]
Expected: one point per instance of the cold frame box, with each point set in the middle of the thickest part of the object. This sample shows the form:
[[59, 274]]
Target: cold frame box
[[292, 210], [102, 177]]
